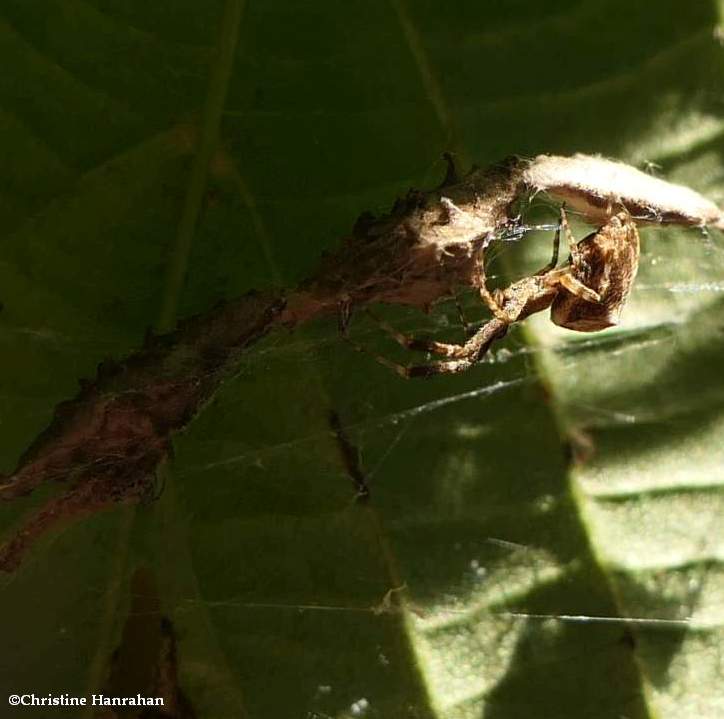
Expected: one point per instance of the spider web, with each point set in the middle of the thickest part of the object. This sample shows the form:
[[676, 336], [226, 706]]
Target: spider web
[[573, 526], [541, 532], [472, 565]]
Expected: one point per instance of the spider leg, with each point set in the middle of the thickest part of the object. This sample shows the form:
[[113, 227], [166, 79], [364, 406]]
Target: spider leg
[[572, 244], [465, 355], [461, 315], [554, 259], [490, 298], [576, 287], [439, 348], [576, 259], [390, 364], [419, 344]]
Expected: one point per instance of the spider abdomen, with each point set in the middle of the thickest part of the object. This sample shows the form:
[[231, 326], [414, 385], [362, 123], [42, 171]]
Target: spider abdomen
[[606, 261]]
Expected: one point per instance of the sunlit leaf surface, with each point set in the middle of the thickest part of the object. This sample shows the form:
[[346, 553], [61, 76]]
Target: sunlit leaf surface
[[544, 534]]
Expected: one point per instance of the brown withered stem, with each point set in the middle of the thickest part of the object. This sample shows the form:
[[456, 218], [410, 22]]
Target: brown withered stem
[[107, 443]]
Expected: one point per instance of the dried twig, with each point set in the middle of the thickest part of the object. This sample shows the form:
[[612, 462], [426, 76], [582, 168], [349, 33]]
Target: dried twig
[[107, 443]]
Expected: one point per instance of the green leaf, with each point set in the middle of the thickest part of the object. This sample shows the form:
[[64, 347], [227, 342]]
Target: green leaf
[[543, 536]]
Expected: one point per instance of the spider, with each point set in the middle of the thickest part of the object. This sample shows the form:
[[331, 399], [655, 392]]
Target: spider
[[586, 294]]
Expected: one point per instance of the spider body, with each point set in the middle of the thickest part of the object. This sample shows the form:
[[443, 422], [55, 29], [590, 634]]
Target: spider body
[[586, 294], [606, 261]]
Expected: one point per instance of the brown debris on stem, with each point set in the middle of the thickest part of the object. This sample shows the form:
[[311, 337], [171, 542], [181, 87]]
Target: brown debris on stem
[[417, 253]]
